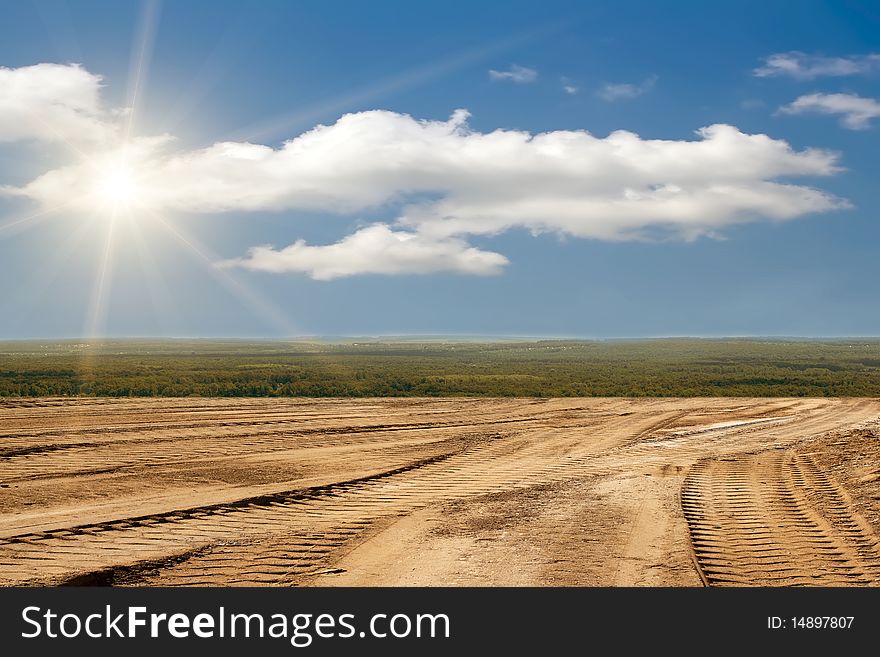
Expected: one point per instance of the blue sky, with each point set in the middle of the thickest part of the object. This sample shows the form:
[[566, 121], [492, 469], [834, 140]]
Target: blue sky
[[409, 221]]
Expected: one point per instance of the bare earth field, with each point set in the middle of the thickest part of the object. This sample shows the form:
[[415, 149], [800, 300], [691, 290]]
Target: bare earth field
[[597, 492]]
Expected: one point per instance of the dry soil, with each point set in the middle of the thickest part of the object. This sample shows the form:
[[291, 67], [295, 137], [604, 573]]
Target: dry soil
[[595, 492]]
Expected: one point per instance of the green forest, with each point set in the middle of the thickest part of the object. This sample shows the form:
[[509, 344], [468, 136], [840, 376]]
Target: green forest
[[545, 368]]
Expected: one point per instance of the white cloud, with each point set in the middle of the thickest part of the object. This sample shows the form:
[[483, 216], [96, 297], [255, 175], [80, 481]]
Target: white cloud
[[376, 249], [53, 102], [438, 182], [856, 112], [567, 181], [611, 91], [517, 74], [799, 65]]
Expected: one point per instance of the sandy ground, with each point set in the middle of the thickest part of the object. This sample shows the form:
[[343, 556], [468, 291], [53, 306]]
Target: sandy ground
[[571, 492]]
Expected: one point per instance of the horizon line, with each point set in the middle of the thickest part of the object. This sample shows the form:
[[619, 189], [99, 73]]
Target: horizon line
[[461, 337]]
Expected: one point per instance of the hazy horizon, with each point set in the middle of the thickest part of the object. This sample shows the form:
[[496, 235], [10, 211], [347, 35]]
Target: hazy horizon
[[430, 338]]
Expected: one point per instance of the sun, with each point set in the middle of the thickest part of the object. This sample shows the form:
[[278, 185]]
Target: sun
[[117, 188], [116, 184]]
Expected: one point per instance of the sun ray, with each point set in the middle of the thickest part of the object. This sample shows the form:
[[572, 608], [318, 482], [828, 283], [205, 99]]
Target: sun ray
[[402, 81], [98, 304], [39, 214], [140, 61], [61, 138], [267, 312], [215, 66], [157, 287], [48, 273]]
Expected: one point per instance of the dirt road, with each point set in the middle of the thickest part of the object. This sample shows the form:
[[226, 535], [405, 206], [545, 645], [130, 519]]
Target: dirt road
[[614, 492]]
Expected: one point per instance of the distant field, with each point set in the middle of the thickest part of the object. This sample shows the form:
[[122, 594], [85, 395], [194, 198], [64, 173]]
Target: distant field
[[228, 368]]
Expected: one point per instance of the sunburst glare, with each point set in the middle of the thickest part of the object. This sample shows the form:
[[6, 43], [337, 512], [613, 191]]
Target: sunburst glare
[[117, 186]]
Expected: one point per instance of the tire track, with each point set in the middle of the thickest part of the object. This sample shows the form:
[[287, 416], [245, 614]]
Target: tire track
[[295, 532], [291, 536], [283, 497], [28, 461], [773, 518], [161, 537]]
